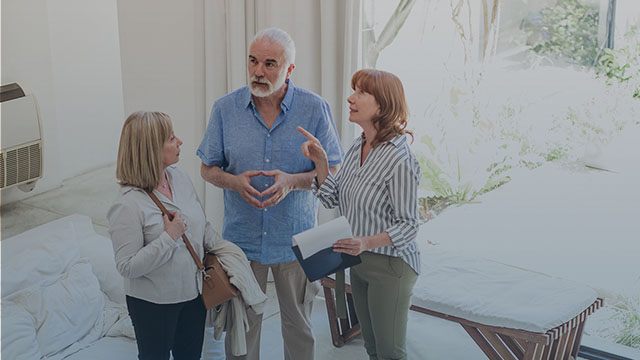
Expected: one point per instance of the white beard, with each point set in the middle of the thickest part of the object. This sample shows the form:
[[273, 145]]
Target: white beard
[[271, 88]]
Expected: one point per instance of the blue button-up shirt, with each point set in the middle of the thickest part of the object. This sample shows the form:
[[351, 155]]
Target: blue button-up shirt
[[237, 140]]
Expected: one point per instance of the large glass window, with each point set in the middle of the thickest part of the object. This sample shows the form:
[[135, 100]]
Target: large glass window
[[499, 88]]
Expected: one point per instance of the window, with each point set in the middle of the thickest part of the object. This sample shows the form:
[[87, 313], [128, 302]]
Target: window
[[496, 87]]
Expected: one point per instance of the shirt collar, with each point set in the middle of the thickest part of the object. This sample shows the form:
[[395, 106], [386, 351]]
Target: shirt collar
[[396, 141], [247, 99], [288, 97], [127, 188]]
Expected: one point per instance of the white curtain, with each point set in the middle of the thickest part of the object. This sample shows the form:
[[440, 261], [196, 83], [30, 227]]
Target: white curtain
[[326, 33]]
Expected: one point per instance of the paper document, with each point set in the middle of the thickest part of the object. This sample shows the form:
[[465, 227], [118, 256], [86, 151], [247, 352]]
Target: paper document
[[321, 237]]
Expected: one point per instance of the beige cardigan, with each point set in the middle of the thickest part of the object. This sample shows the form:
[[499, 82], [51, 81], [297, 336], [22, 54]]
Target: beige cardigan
[[231, 317], [154, 266]]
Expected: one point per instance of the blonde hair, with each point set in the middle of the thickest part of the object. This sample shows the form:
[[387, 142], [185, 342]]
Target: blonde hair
[[387, 89], [140, 151]]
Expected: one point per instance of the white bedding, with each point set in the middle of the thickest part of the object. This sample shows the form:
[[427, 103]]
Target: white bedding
[[60, 291], [108, 348], [496, 294]]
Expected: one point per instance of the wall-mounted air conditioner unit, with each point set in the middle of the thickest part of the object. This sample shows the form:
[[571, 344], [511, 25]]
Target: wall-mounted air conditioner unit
[[21, 156]]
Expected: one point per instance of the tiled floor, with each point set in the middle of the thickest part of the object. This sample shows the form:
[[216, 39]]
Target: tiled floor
[[91, 194]]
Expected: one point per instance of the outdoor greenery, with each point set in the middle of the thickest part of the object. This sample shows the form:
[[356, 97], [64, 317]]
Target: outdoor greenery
[[628, 312], [619, 320], [568, 30], [622, 64], [478, 134], [481, 128], [491, 118]]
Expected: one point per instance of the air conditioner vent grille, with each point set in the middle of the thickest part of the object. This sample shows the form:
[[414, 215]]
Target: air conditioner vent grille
[[34, 161], [1, 170], [23, 159], [12, 168], [20, 165]]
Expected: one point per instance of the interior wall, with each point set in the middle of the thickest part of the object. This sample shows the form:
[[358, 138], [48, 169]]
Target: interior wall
[[87, 82], [162, 54], [66, 54], [301, 20]]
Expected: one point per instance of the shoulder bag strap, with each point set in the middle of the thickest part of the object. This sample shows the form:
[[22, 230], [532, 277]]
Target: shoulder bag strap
[[184, 236]]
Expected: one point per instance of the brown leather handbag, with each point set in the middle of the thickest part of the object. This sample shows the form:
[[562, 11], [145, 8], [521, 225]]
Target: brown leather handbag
[[216, 288]]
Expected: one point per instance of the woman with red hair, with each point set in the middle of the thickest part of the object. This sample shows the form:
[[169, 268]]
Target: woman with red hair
[[376, 190]]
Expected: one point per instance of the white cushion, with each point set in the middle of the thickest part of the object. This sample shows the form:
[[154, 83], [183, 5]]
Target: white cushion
[[495, 294], [38, 256], [108, 348], [99, 251], [65, 311], [61, 243], [56, 280], [18, 333], [117, 322]]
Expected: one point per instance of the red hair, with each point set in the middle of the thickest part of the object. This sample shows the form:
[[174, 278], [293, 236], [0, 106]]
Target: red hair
[[387, 89]]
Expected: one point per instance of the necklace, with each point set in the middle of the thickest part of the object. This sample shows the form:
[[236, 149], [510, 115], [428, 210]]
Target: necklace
[[164, 184]]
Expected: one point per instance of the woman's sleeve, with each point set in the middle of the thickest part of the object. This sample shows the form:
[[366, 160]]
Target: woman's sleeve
[[211, 237], [329, 191], [403, 190], [133, 259]]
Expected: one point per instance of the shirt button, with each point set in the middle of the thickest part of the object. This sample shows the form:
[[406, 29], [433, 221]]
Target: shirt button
[[268, 135], [267, 160], [266, 185], [264, 233]]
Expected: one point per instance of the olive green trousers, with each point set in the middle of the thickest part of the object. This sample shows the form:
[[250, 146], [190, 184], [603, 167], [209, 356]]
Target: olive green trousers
[[382, 286]]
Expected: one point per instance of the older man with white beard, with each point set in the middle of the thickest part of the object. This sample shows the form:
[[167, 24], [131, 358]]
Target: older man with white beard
[[251, 149]]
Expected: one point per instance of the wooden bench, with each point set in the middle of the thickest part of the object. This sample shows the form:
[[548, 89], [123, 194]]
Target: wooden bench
[[560, 342]]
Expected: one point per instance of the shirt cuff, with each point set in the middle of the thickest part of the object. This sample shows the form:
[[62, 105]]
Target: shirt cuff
[[314, 185], [167, 240], [402, 236], [328, 187]]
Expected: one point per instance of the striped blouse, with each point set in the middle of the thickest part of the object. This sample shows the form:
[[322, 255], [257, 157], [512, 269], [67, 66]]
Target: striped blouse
[[381, 195]]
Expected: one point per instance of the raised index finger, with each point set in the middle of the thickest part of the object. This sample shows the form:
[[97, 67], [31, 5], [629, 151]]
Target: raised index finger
[[307, 134]]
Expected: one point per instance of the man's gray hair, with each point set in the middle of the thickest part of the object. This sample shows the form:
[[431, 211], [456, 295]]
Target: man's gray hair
[[281, 37]]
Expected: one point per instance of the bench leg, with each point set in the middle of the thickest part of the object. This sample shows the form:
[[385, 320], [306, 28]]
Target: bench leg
[[578, 340], [482, 342], [342, 330], [333, 318], [513, 345], [533, 351], [497, 343], [546, 355], [570, 343]]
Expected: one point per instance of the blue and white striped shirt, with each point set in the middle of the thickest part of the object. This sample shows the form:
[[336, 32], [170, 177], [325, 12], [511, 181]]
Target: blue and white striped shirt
[[381, 195]]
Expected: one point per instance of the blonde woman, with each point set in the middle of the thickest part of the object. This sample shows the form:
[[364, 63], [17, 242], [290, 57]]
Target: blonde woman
[[162, 282], [376, 190]]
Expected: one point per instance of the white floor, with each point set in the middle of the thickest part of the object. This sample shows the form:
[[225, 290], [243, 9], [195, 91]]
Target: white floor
[[92, 193]]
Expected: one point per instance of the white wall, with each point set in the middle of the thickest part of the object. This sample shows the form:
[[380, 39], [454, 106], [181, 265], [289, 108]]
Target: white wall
[[162, 53], [92, 63], [87, 82], [301, 20], [26, 58], [66, 53]]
